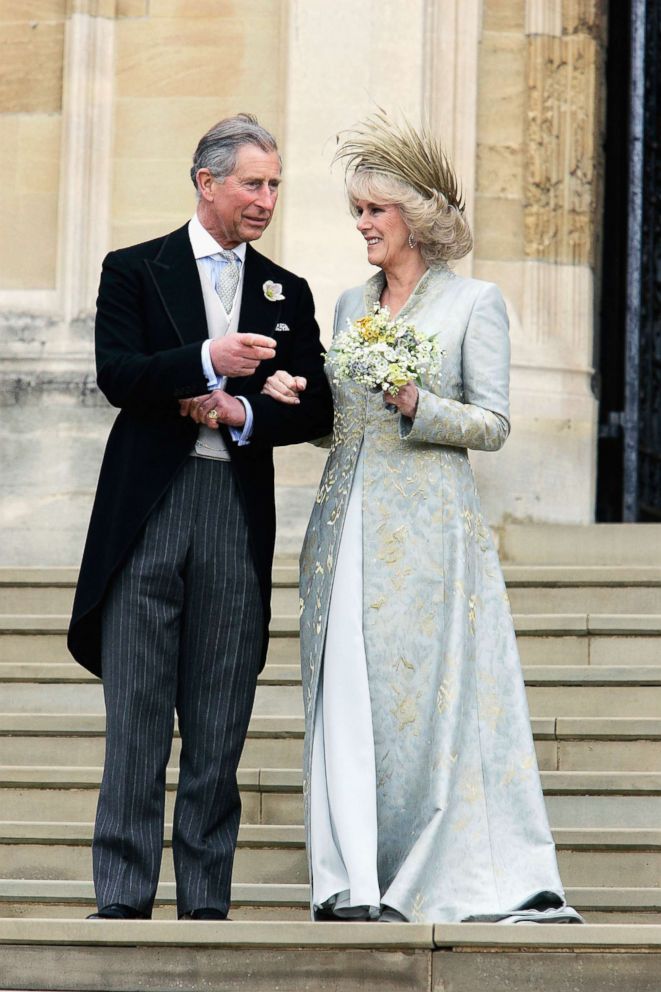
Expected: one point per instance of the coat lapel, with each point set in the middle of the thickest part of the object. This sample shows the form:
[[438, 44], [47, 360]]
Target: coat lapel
[[258, 315], [174, 271]]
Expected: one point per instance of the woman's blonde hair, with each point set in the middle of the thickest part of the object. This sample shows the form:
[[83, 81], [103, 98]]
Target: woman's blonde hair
[[439, 227], [394, 163]]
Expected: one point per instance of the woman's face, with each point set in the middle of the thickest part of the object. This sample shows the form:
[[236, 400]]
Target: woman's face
[[385, 231]]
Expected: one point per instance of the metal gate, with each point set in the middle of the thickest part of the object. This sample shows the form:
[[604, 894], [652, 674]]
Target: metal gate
[[642, 413]]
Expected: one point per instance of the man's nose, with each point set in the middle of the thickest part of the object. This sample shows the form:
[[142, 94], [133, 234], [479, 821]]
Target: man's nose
[[266, 197]]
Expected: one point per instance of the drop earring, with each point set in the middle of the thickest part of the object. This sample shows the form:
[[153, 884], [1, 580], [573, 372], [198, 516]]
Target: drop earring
[[412, 241]]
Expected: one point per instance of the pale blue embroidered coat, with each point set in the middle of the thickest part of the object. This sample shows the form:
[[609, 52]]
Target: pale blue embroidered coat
[[461, 819]]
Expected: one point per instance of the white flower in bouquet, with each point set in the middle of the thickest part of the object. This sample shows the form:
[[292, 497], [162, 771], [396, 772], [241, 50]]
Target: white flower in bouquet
[[382, 353]]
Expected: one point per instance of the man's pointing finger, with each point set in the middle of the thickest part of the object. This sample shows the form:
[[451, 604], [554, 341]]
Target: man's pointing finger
[[258, 341]]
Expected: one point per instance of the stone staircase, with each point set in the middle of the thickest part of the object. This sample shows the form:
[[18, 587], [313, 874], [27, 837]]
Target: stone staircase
[[587, 605]]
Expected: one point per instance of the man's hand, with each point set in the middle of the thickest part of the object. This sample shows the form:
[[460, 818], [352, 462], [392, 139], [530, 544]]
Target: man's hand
[[240, 354], [284, 387], [213, 409]]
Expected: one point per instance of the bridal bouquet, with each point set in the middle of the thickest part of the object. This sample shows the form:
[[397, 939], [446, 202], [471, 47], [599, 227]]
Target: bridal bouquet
[[382, 353]]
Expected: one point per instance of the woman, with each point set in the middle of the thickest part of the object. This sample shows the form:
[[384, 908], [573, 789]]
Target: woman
[[422, 793]]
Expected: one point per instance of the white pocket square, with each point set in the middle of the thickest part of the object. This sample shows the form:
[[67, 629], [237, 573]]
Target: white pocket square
[[280, 328]]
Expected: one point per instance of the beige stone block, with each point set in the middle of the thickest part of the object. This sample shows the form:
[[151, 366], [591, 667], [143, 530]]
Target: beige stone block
[[205, 8], [132, 8], [32, 10], [500, 170], [129, 232], [509, 277], [38, 153], [299, 464], [545, 971], [177, 57], [498, 228], [9, 132], [504, 15], [615, 756], [501, 90], [547, 756], [29, 246], [93, 8], [145, 190], [279, 808], [553, 650], [31, 56], [171, 128]]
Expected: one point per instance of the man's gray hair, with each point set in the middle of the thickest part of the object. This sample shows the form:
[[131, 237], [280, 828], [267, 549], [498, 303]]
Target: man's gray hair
[[217, 149]]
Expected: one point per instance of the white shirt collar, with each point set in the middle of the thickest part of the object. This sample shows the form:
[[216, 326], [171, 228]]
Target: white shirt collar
[[203, 244]]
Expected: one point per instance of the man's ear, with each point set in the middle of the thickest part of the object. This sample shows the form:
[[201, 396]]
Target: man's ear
[[205, 182]]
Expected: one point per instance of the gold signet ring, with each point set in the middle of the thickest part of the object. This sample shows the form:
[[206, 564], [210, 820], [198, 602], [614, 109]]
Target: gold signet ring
[[212, 415]]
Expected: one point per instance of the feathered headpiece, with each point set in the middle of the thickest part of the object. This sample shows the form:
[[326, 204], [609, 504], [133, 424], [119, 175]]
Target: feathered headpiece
[[414, 156]]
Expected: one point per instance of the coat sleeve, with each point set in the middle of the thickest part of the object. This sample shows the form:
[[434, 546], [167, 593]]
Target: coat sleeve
[[130, 373], [277, 423], [481, 421]]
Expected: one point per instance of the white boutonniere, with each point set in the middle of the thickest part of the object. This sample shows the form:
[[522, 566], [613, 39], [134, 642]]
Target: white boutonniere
[[272, 291]]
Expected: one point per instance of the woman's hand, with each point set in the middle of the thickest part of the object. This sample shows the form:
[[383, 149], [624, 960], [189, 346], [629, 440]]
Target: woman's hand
[[213, 409], [284, 387], [406, 400]]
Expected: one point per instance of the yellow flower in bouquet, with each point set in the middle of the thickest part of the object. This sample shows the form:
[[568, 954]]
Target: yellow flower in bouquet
[[382, 353]]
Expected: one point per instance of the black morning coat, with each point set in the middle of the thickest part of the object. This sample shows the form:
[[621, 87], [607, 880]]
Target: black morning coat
[[149, 328]]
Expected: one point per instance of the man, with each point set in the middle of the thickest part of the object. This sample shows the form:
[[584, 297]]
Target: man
[[172, 604]]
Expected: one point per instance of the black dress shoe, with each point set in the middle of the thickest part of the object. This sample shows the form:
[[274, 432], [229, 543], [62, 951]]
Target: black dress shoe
[[118, 911], [205, 913]]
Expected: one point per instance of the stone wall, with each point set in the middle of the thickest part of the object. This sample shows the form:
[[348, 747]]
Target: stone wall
[[101, 105]]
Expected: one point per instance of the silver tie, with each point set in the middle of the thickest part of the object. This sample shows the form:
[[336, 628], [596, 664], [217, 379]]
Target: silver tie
[[227, 279]]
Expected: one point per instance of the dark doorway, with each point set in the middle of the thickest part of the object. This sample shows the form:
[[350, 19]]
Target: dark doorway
[[629, 358]]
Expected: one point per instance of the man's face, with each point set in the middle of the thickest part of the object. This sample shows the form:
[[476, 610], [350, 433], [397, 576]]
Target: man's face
[[240, 208]]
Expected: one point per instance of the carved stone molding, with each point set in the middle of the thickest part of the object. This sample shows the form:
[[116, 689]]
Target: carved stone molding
[[85, 190], [562, 148], [451, 46]]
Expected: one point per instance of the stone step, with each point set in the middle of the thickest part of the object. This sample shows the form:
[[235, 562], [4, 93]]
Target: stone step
[[570, 691], [65, 898], [69, 673], [568, 544], [289, 780], [276, 854], [273, 795], [301, 956], [51, 648], [63, 739], [57, 599], [532, 589], [546, 639], [563, 744]]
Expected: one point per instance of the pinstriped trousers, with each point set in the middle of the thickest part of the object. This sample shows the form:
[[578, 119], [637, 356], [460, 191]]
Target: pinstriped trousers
[[182, 630]]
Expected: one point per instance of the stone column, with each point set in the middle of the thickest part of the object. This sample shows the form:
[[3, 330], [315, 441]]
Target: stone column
[[86, 153], [52, 415], [536, 236], [450, 59]]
